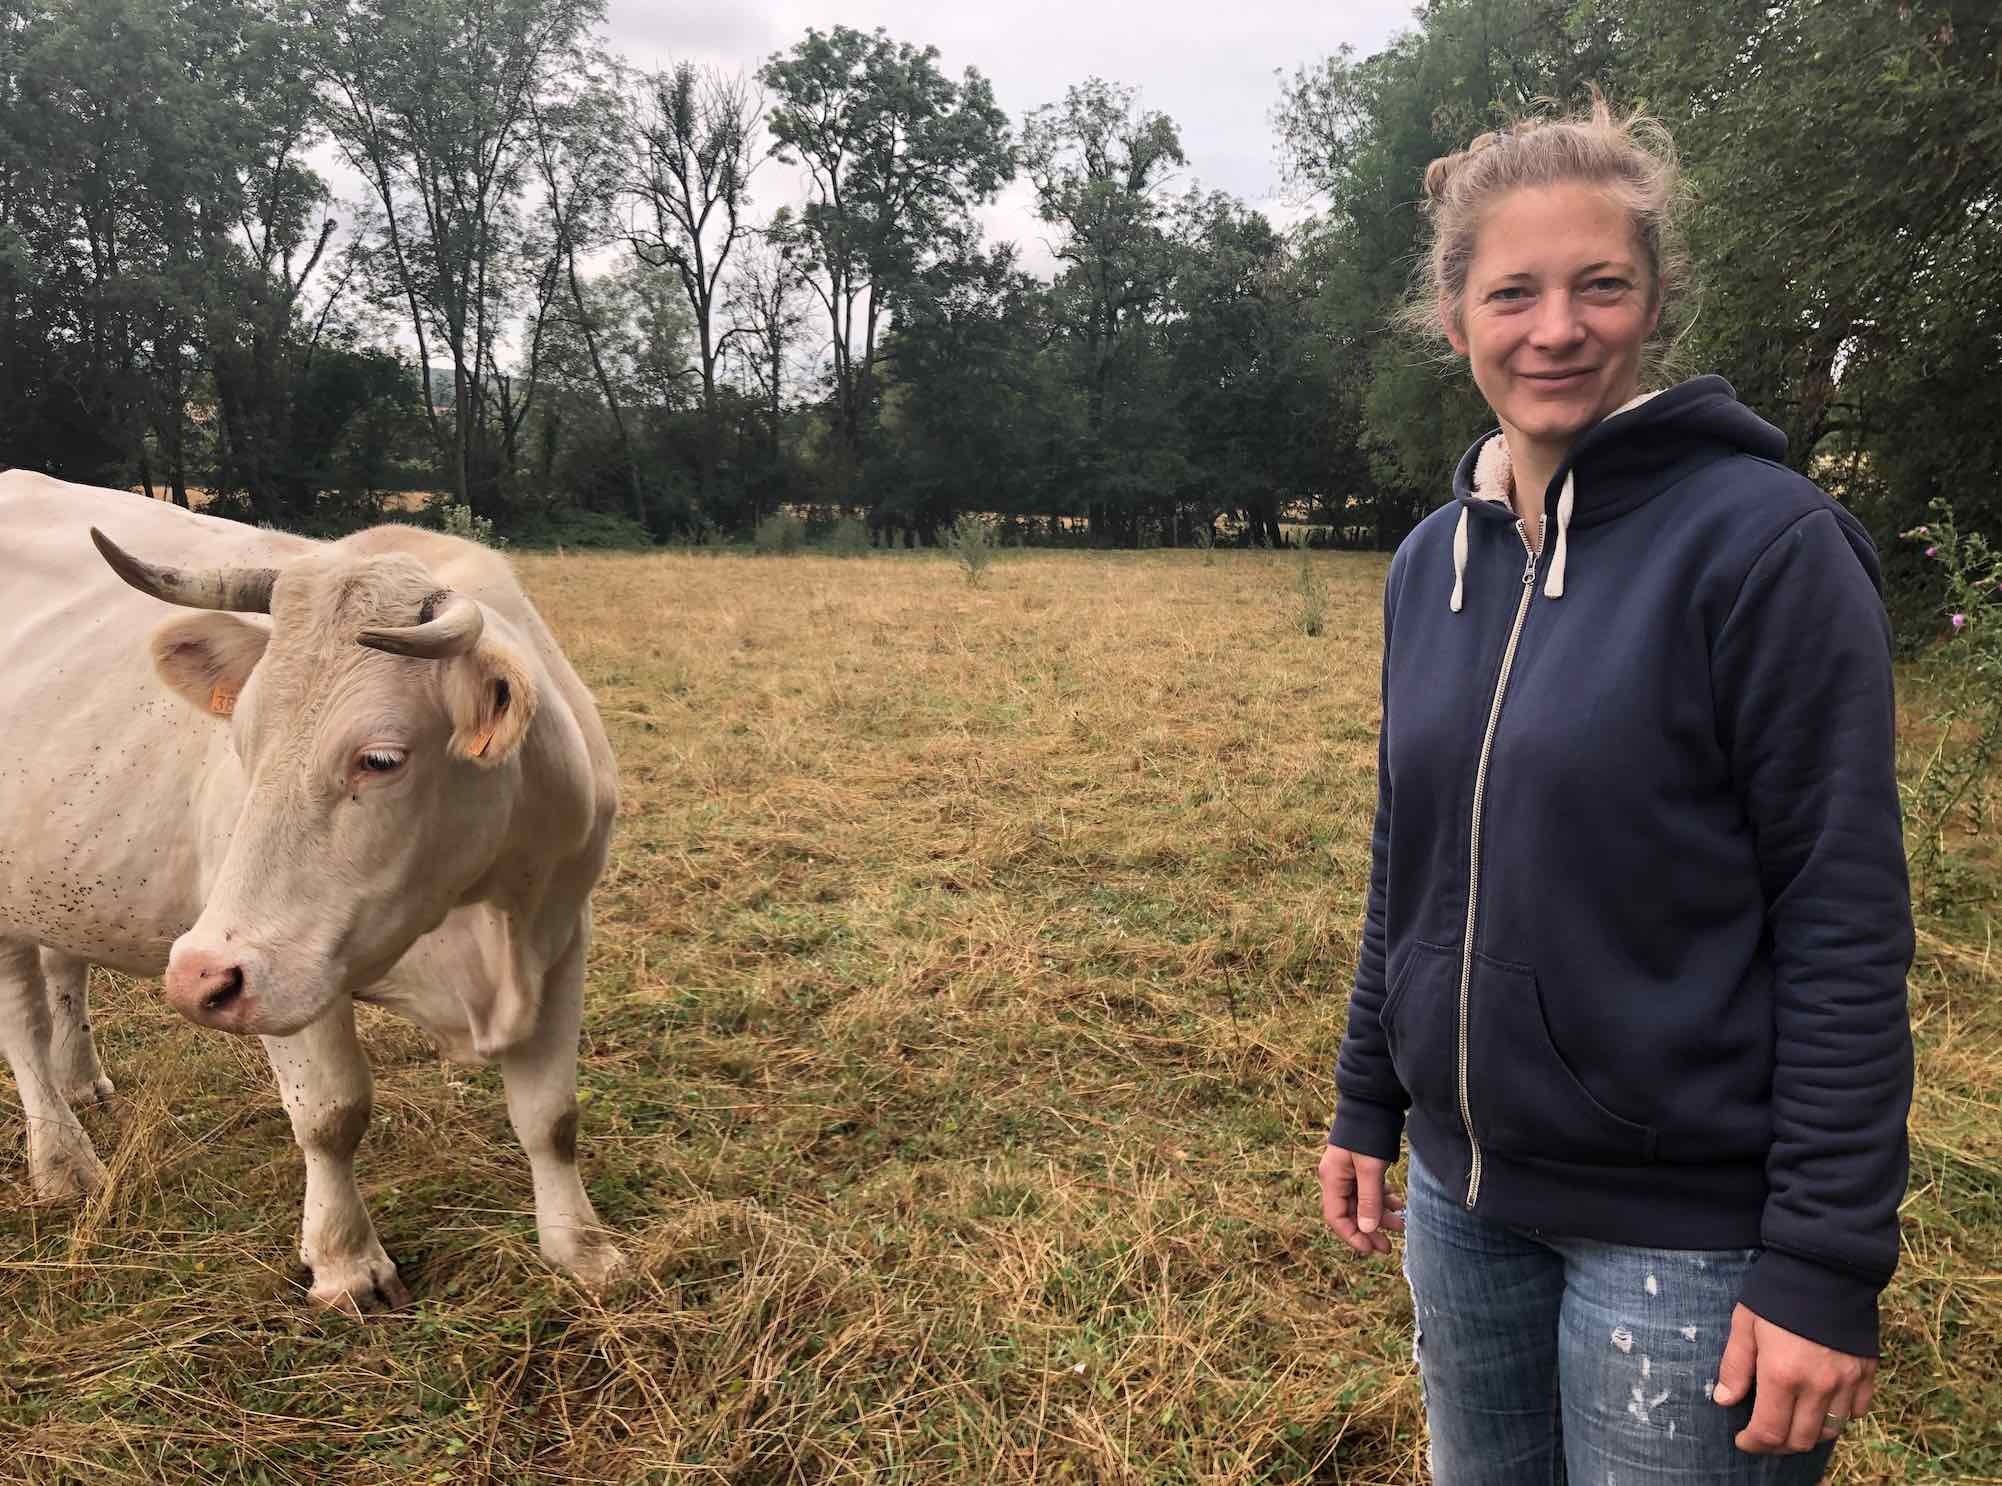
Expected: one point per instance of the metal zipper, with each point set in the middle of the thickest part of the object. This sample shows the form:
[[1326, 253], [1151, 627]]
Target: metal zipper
[[1474, 850]]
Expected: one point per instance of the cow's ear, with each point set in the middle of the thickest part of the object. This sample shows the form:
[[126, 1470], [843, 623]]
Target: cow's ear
[[492, 700], [207, 657]]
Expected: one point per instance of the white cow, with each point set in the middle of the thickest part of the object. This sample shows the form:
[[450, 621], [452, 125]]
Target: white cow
[[79, 1075], [394, 788]]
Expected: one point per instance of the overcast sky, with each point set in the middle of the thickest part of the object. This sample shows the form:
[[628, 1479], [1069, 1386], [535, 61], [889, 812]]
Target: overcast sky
[[1208, 66]]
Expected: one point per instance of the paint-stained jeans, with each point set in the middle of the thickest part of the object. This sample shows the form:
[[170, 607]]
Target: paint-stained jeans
[[1553, 1360]]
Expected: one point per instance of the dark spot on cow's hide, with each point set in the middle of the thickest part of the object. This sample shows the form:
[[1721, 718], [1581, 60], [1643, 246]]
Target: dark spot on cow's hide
[[343, 1128], [563, 1135]]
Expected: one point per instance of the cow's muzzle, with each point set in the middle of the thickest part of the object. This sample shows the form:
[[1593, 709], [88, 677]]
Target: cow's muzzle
[[212, 990]]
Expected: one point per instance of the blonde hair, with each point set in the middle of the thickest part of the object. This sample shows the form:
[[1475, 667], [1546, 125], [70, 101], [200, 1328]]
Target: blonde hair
[[1632, 159]]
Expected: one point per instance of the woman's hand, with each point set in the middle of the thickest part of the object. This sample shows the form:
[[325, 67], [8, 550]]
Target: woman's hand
[[1355, 1203], [1806, 1392]]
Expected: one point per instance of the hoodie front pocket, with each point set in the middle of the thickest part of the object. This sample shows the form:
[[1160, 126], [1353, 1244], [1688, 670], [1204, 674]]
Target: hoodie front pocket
[[1421, 1023], [1525, 1098]]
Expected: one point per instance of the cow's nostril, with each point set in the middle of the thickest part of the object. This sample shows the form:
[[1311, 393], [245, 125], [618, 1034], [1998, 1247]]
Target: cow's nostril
[[227, 989]]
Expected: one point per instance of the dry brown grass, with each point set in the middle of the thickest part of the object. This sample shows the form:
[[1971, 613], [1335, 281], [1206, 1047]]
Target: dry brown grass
[[969, 975]]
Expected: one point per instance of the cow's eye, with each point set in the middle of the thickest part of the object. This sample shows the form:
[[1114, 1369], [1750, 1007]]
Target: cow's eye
[[380, 761]]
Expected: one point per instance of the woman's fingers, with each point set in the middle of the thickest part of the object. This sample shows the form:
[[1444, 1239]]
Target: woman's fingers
[[1354, 1202], [1841, 1409], [1805, 1392], [1369, 1193], [1812, 1407], [1852, 1398], [1338, 1186], [1393, 1211]]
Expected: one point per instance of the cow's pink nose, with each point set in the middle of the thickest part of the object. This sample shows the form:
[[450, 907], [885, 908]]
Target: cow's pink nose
[[208, 989]]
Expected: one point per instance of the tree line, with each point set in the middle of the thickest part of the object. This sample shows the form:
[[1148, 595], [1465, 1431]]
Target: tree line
[[596, 303]]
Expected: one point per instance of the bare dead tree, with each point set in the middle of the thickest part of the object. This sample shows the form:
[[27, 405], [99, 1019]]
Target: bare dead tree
[[768, 309], [579, 161], [693, 143]]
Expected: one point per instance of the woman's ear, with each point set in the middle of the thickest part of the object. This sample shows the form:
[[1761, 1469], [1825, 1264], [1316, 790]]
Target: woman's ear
[[1449, 317], [208, 657], [492, 700]]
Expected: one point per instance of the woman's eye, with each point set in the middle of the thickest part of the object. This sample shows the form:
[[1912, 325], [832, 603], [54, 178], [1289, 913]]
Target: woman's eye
[[376, 761], [1508, 294], [1608, 286]]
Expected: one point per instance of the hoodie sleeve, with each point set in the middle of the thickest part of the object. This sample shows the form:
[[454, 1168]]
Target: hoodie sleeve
[[1370, 1102], [1802, 674]]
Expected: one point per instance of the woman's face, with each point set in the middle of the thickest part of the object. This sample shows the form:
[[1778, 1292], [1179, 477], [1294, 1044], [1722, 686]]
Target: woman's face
[[1558, 305]]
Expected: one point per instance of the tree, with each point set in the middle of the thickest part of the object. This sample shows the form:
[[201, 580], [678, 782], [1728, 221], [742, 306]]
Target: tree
[[577, 457], [434, 103], [1101, 171], [577, 159], [261, 339], [159, 240], [1851, 272], [1247, 375], [1360, 134], [896, 155], [693, 139], [768, 313], [977, 417]]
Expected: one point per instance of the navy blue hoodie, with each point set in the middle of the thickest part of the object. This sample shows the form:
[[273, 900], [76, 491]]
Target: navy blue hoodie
[[1638, 926]]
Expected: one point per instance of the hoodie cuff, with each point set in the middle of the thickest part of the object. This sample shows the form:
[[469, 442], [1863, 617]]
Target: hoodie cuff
[[1367, 1129], [1829, 1306]]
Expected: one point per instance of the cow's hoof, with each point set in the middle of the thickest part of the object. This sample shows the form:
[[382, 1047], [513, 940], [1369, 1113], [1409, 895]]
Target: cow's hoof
[[359, 1287], [67, 1173], [86, 1092], [593, 1263]]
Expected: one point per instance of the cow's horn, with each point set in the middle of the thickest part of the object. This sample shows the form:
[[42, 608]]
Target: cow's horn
[[448, 624], [240, 590]]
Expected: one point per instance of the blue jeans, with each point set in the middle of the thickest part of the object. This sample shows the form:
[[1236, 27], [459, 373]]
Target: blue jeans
[[1553, 1360]]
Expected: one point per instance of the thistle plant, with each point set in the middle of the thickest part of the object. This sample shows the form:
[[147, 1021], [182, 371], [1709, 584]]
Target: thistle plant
[[1963, 671]]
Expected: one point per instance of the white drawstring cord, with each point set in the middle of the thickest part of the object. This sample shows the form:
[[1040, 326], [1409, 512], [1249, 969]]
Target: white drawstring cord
[[1553, 586], [1460, 560]]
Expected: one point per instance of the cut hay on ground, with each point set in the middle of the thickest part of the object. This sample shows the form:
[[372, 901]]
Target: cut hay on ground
[[957, 1055]]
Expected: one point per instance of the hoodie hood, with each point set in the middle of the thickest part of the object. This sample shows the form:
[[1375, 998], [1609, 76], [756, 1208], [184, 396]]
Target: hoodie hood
[[1619, 464]]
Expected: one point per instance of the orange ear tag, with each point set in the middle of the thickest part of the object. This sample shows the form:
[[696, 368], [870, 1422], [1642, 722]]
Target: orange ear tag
[[482, 738], [222, 702]]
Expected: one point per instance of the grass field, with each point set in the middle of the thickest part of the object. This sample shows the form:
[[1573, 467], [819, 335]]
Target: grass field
[[958, 1049]]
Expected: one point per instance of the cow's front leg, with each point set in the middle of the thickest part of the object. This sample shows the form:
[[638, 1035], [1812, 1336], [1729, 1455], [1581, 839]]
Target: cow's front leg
[[328, 1091], [61, 1160], [78, 1072], [541, 1079]]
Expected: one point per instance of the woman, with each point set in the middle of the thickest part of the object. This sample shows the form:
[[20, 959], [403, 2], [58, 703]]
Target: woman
[[1638, 925]]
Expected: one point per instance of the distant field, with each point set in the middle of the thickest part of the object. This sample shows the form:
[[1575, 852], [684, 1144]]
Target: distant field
[[958, 1049], [394, 500]]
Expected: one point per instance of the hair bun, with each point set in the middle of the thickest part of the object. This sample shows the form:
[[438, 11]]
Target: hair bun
[[1439, 174]]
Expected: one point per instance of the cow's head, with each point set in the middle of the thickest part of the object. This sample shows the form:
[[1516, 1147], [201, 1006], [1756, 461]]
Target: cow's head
[[379, 720]]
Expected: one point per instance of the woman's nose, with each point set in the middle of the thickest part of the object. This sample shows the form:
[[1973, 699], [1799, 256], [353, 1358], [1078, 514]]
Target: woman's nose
[[1557, 322]]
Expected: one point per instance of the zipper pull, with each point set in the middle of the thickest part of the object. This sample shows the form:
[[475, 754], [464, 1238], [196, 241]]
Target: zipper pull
[[1529, 566]]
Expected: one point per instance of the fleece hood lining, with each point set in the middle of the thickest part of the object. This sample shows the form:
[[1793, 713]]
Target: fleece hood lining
[[1494, 481]]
